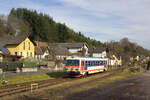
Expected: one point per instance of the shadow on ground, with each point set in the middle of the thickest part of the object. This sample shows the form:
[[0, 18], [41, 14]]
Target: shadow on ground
[[58, 75]]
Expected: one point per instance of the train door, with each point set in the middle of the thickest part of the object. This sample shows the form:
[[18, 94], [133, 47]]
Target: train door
[[82, 66]]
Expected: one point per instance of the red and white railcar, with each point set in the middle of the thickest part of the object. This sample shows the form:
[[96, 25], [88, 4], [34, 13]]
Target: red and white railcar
[[81, 66]]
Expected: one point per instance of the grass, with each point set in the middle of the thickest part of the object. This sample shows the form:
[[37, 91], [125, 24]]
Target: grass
[[33, 77]]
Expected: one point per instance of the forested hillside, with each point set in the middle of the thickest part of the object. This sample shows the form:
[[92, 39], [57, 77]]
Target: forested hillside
[[43, 28]]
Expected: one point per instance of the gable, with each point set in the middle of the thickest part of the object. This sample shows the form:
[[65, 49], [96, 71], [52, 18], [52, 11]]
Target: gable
[[27, 40]]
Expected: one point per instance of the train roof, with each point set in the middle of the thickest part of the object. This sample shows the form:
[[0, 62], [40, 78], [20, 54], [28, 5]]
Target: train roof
[[86, 58]]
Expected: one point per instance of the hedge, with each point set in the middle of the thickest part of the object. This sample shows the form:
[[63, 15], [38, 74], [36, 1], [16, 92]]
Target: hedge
[[9, 66], [29, 64]]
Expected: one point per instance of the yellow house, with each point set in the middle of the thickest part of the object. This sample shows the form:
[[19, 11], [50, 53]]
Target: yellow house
[[20, 46]]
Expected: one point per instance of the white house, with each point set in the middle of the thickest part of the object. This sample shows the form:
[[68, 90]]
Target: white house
[[73, 48], [45, 52], [97, 52], [41, 50]]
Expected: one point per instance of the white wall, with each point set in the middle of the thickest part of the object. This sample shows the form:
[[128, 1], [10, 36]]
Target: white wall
[[103, 54], [86, 48], [61, 57], [74, 50], [44, 55]]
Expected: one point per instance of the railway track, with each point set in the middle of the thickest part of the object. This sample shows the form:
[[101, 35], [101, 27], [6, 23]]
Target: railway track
[[24, 87], [13, 89]]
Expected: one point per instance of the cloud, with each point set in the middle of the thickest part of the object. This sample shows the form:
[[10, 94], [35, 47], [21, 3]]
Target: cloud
[[118, 18]]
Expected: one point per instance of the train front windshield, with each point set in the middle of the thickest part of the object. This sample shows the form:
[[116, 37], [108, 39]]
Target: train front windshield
[[72, 62]]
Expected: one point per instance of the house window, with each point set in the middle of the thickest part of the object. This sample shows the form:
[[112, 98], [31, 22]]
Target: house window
[[16, 53], [27, 54], [28, 45], [31, 54], [20, 53], [24, 46]]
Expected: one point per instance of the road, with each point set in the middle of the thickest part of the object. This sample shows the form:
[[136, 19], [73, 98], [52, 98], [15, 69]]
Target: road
[[135, 88]]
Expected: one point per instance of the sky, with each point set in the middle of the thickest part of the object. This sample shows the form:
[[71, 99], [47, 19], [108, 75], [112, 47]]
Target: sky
[[103, 20]]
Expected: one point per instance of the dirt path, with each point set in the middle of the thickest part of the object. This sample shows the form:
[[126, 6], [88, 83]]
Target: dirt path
[[135, 88]]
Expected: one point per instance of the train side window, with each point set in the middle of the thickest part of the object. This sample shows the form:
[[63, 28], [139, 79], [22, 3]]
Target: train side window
[[89, 63], [98, 63], [102, 62], [93, 63], [86, 63]]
